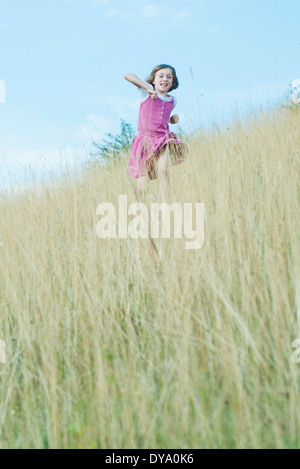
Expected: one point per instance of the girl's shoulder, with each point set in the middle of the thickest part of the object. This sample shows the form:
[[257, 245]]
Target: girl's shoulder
[[145, 95]]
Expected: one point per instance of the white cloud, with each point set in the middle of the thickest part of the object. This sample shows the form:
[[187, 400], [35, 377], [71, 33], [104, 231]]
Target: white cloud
[[181, 15], [40, 164], [121, 104], [99, 2], [21, 165], [151, 11], [93, 128], [92, 3], [47, 158], [112, 12]]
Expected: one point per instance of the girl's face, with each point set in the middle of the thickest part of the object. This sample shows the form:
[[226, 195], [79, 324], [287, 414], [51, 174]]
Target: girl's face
[[163, 80]]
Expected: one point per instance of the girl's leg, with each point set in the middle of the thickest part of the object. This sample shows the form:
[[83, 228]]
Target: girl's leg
[[141, 185], [163, 174]]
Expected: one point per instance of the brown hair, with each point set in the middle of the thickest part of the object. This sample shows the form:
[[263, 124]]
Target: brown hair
[[151, 78]]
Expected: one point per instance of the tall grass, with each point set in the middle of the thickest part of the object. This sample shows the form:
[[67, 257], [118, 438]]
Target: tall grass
[[126, 343]]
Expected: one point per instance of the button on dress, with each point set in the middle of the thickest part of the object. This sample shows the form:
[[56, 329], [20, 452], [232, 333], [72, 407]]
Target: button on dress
[[153, 137]]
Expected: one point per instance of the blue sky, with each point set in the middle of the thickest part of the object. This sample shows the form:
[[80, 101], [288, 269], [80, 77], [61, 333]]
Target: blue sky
[[63, 63]]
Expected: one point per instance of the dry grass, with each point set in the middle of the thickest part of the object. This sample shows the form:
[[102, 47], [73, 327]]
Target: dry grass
[[133, 344]]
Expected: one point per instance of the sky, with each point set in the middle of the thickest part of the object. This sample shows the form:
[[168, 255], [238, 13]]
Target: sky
[[63, 63]]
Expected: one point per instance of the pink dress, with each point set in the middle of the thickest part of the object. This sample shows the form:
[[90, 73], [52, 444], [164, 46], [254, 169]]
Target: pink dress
[[153, 136]]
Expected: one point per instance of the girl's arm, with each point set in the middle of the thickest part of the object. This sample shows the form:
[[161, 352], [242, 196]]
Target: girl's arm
[[140, 84]]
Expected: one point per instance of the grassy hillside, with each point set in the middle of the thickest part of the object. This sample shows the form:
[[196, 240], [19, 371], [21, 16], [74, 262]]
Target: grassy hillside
[[126, 343]]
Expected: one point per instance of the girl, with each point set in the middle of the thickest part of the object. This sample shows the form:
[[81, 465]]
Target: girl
[[154, 141]]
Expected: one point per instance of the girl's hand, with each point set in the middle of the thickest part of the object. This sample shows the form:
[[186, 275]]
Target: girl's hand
[[152, 93], [174, 119]]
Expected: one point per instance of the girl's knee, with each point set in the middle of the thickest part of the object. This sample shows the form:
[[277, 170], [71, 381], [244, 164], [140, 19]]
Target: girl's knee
[[141, 184], [163, 167]]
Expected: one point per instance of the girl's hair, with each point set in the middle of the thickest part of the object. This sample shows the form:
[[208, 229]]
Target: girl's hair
[[151, 78]]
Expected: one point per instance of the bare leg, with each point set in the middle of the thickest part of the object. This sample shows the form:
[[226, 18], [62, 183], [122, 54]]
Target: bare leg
[[163, 174], [141, 185]]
